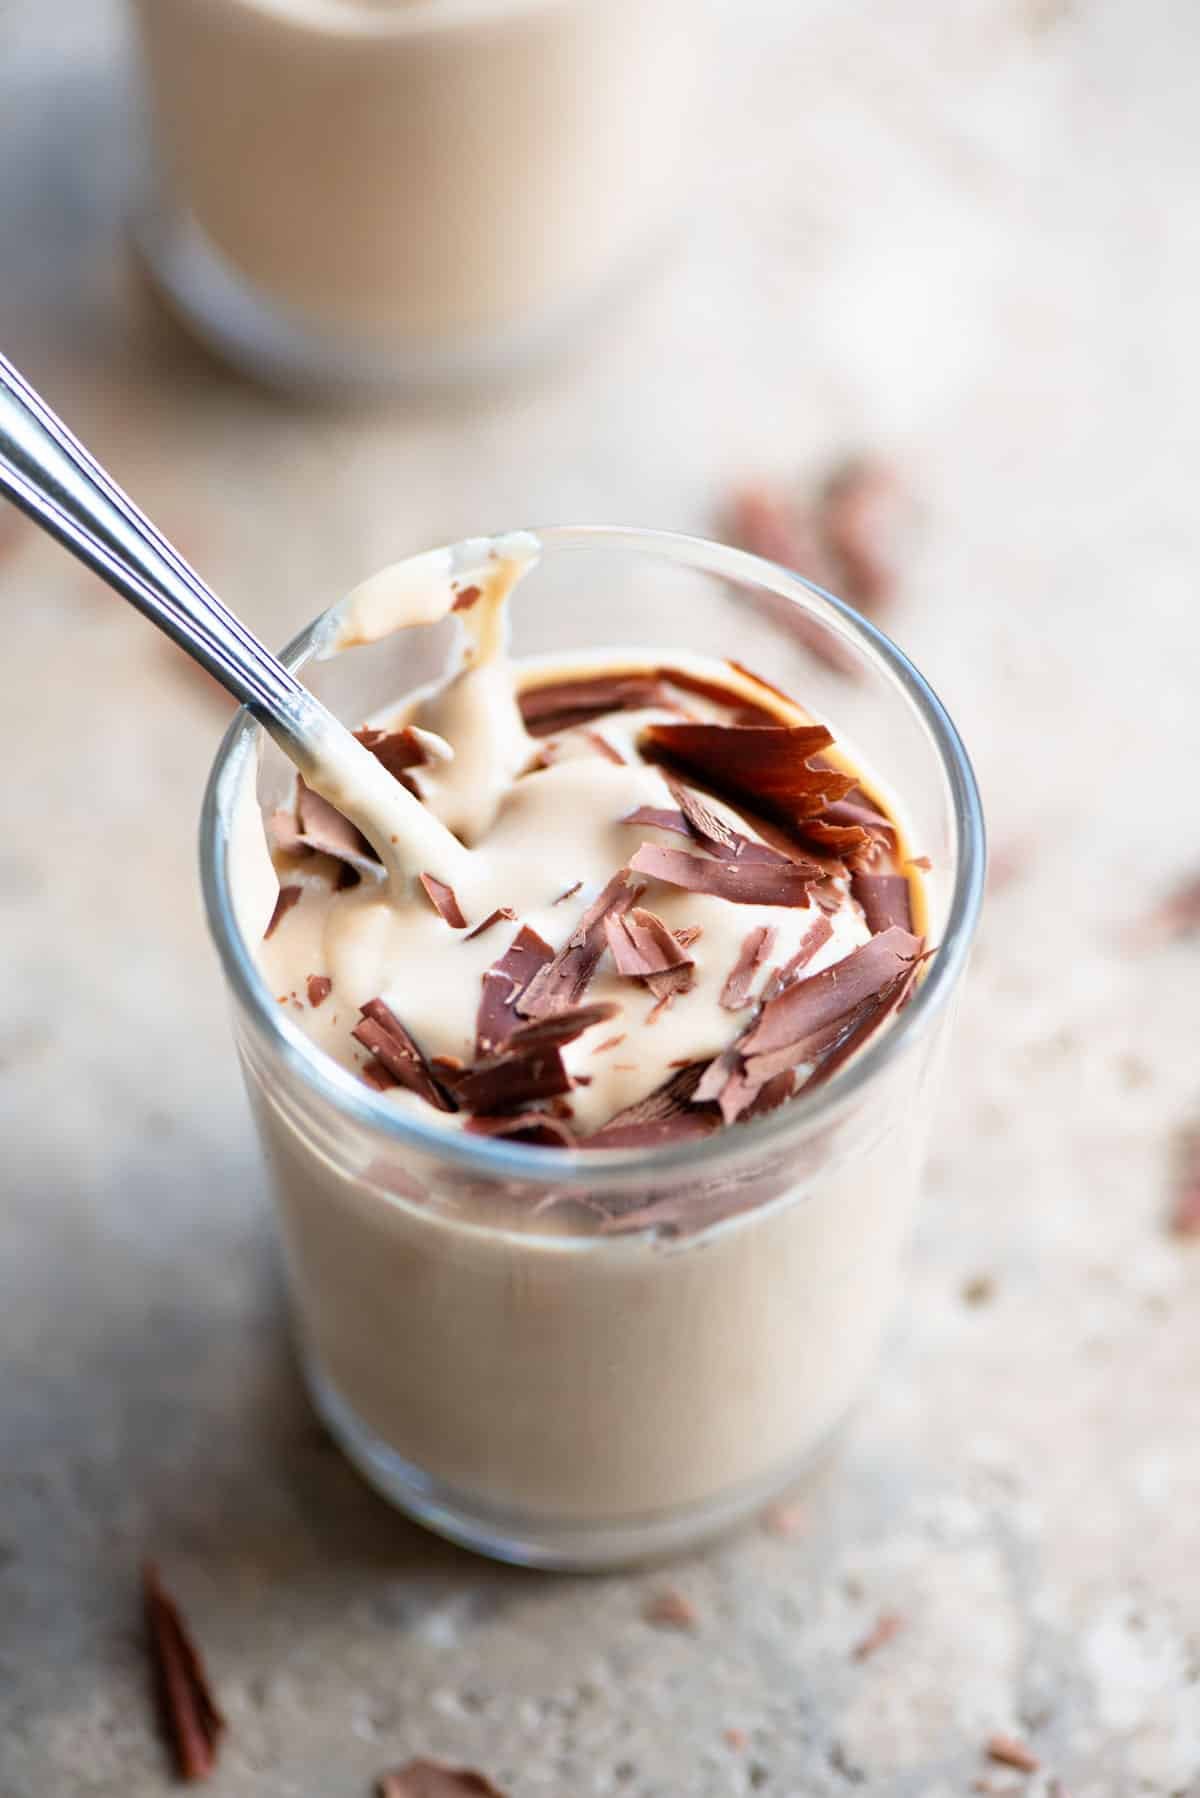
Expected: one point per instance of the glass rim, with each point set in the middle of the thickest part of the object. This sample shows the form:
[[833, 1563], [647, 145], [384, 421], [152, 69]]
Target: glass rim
[[369, 21], [580, 1168]]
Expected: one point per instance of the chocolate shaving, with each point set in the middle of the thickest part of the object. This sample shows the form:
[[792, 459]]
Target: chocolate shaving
[[814, 938], [389, 1042], [604, 748], [886, 900], [669, 1114], [659, 817], [188, 1707], [643, 948], [526, 1126], [865, 513], [444, 901], [820, 1020], [786, 1517], [375, 1075], [741, 882], [569, 894], [434, 1779], [805, 1010], [768, 767], [765, 524], [397, 750], [1185, 1203], [756, 946], [670, 984], [671, 1609], [560, 705], [849, 827], [529, 1066], [323, 828], [288, 896], [494, 917], [465, 598], [696, 821], [1007, 1751], [284, 832], [716, 835], [1177, 916], [563, 981], [503, 984], [886, 1627], [319, 988]]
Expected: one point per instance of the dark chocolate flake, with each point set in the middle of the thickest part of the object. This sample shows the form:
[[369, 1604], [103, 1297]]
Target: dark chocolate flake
[[323, 828], [756, 946], [444, 901], [1185, 1198], [866, 515], [529, 1066], [539, 1127], [671, 1113], [382, 1033], [563, 981], [288, 896], [465, 598], [741, 882], [319, 988], [817, 1022], [375, 1075], [503, 984], [768, 767], [397, 750], [767, 525], [188, 1707], [886, 899], [642, 945], [815, 937], [560, 705], [434, 1779], [501, 914], [807, 1018]]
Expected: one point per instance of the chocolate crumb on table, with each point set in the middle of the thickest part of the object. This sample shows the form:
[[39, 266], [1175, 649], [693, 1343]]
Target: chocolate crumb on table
[[189, 1710], [1178, 914], [671, 1609], [435, 1779], [1010, 1751], [1184, 1219], [786, 1517], [886, 1627]]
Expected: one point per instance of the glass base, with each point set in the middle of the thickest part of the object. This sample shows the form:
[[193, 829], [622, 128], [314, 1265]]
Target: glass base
[[262, 339], [571, 1547]]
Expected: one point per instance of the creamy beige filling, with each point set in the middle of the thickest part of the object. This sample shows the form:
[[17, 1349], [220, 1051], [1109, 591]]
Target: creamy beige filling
[[541, 843]]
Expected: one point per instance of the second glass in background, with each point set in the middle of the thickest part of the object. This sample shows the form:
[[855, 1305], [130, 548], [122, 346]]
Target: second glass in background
[[364, 189]]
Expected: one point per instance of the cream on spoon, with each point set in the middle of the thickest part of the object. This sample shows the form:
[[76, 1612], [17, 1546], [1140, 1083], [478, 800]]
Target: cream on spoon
[[48, 473]]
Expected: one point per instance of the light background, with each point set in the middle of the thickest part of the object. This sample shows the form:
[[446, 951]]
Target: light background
[[966, 234]]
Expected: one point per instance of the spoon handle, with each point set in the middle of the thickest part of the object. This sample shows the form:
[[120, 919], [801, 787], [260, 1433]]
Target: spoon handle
[[46, 471]]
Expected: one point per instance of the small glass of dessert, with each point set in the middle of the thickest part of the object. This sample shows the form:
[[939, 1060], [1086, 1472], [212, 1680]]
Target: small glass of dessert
[[352, 192], [596, 1150]]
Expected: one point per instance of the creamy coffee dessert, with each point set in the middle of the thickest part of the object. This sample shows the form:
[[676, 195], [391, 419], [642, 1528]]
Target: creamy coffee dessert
[[676, 909], [430, 178], [651, 902]]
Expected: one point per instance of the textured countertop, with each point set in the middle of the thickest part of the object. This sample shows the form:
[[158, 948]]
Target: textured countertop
[[961, 233]]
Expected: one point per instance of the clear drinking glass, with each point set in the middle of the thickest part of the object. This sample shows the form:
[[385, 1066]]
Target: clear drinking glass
[[515, 1373], [410, 190]]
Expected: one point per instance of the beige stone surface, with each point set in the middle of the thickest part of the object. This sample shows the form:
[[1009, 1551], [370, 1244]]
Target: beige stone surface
[[965, 232]]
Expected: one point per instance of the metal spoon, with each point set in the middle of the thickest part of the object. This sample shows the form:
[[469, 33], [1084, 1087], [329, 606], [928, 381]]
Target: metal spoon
[[48, 473]]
